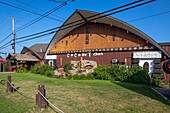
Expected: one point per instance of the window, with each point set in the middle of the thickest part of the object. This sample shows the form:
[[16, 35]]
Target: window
[[113, 37], [87, 35], [66, 42]]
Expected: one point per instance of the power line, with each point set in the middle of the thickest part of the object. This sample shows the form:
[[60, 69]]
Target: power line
[[38, 9], [23, 9], [40, 17], [6, 45], [104, 15], [158, 14], [34, 21], [35, 37], [68, 24], [57, 1], [80, 23], [5, 38]]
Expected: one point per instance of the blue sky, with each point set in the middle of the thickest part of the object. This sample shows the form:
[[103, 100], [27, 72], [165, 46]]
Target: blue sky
[[157, 27]]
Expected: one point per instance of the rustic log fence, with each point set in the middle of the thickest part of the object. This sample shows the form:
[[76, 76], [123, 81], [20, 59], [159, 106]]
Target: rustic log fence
[[41, 102], [10, 86], [41, 99]]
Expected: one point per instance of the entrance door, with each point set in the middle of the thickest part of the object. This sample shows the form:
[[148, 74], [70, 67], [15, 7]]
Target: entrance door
[[146, 66]]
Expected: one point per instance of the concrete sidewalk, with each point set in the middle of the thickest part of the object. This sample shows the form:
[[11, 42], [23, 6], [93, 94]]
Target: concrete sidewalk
[[164, 92], [6, 72]]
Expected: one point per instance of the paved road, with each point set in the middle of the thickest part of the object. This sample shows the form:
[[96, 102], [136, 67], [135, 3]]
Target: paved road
[[164, 92]]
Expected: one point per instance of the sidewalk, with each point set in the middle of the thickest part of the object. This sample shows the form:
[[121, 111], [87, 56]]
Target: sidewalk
[[6, 72], [164, 92]]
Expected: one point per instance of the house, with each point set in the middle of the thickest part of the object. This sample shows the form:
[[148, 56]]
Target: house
[[21, 60], [36, 50], [28, 57]]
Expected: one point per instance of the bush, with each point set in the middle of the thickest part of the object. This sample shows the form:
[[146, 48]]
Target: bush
[[101, 73], [157, 81], [35, 69], [89, 76], [41, 69], [138, 75], [118, 72], [44, 68], [68, 66], [22, 70], [115, 72], [49, 73], [70, 77]]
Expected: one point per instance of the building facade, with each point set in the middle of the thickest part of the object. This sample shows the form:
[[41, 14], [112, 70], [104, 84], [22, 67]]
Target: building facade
[[89, 36]]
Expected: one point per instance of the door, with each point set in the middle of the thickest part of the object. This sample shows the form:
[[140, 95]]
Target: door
[[146, 66]]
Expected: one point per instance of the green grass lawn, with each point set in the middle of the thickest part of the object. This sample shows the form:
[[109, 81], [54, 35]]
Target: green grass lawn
[[88, 96]]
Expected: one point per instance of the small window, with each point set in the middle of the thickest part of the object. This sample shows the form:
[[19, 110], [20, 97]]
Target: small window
[[87, 38], [87, 35], [113, 37], [66, 42]]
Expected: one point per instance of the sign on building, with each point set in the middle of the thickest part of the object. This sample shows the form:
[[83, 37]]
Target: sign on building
[[147, 54]]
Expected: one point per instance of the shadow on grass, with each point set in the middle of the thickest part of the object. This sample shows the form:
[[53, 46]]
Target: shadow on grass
[[144, 90]]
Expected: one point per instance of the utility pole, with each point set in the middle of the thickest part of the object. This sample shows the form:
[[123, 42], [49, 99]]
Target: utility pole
[[13, 42], [13, 35]]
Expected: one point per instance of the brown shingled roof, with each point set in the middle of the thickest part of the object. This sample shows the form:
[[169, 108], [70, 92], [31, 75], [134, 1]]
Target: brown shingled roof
[[23, 57], [39, 47]]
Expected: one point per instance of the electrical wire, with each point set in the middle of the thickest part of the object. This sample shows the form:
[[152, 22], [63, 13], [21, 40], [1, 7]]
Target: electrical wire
[[35, 37], [100, 16], [68, 24], [23, 9], [158, 14], [5, 38], [80, 23], [40, 17], [39, 9]]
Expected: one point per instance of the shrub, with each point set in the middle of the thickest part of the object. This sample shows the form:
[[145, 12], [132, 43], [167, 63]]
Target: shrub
[[138, 75], [49, 73], [35, 69], [44, 68], [68, 66], [118, 72], [70, 77], [101, 73], [22, 70], [41, 69], [157, 81], [89, 76]]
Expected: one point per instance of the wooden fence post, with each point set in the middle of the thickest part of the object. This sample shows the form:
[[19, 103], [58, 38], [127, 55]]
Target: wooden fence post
[[42, 103], [9, 87]]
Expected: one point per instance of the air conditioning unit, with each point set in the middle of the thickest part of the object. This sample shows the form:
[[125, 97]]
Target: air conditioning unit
[[114, 61]]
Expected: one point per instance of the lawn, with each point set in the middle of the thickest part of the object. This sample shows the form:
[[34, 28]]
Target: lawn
[[81, 96]]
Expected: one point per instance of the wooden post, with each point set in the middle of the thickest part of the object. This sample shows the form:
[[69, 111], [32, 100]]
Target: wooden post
[[9, 87], [41, 102]]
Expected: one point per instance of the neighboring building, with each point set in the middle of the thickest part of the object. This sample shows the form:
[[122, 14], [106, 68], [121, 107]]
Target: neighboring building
[[37, 50], [28, 57], [107, 40], [21, 60]]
